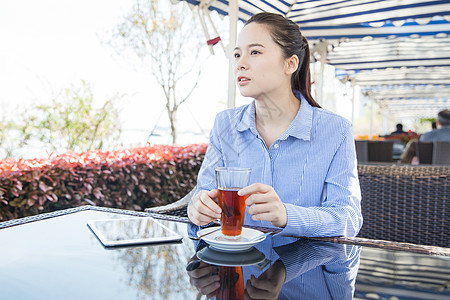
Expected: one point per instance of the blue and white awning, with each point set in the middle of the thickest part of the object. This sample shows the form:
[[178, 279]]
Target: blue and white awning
[[397, 50], [333, 19], [354, 56]]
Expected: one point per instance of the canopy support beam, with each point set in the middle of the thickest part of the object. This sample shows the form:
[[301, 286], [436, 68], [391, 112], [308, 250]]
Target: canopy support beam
[[233, 10]]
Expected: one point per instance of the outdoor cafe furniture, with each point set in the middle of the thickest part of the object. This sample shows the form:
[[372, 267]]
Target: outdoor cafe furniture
[[436, 153], [55, 256], [374, 151], [401, 203]]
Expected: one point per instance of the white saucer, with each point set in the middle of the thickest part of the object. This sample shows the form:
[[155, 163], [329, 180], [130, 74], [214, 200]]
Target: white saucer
[[230, 259], [216, 240]]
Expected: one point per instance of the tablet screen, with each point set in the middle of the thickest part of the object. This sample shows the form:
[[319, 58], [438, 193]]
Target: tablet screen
[[132, 231]]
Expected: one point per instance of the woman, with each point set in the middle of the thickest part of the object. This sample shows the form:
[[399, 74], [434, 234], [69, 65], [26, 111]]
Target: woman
[[304, 175]]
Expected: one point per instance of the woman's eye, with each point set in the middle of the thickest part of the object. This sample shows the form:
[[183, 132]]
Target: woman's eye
[[254, 52], [236, 55]]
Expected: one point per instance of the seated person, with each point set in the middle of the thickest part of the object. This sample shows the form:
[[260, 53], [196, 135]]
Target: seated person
[[399, 130], [443, 131], [304, 175]]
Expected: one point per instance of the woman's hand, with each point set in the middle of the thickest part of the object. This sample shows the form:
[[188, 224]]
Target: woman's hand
[[264, 204], [268, 285], [204, 208], [205, 278]]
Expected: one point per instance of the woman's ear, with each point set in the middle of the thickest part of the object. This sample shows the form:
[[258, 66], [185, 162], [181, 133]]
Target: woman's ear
[[291, 64]]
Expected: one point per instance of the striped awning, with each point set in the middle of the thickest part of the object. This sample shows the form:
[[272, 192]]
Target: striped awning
[[405, 76], [401, 52], [333, 19], [397, 50]]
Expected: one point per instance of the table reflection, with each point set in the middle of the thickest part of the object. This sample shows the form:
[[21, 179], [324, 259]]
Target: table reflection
[[298, 269]]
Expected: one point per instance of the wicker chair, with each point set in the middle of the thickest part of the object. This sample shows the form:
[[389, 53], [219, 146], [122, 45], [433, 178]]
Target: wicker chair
[[441, 153], [400, 203], [425, 152], [374, 151], [177, 208], [406, 203]]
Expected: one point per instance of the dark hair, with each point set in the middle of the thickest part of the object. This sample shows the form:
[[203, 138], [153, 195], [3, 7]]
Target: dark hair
[[444, 117], [399, 126], [287, 35]]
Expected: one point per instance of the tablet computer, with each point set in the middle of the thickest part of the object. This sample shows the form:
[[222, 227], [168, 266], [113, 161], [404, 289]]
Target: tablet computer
[[132, 232]]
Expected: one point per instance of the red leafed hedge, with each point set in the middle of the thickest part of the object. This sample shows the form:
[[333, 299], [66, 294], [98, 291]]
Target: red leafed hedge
[[130, 179]]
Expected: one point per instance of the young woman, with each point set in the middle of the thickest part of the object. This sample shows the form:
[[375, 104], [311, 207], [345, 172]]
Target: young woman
[[304, 174]]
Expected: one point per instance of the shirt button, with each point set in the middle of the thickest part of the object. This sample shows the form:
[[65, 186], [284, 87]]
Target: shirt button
[[275, 146]]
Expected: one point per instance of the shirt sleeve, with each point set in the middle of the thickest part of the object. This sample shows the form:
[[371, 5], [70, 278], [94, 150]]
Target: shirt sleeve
[[339, 213], [303, 256]]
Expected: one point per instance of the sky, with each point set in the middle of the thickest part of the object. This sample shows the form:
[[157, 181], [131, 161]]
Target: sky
[[49, 45]]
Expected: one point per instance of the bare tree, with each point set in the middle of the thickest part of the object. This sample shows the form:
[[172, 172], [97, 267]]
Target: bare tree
[[166, 38]]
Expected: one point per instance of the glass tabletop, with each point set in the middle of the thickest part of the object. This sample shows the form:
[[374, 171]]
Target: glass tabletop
[[58, 257]]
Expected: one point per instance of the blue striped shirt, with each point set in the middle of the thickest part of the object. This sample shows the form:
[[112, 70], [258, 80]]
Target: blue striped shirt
[[314, 270], [311, 166]]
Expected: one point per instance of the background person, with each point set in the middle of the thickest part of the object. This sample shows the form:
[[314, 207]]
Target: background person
[[304, 170], [399, 130], [443, 131]]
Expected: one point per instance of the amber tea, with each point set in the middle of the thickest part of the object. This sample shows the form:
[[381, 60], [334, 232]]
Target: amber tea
[[233, 210], [229, 181], [231, 284]]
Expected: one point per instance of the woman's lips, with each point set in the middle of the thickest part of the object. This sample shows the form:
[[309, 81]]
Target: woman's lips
[[242, 80]]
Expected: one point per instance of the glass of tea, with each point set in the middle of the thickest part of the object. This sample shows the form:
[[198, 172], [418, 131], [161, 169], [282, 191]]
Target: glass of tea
[[231, 284], [229, 181]]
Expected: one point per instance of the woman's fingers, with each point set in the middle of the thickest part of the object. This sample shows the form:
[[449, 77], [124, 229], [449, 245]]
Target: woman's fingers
[[254, 188], [204, 209], [213, 207], [206, 285], [264, 204], [205, 278], [260, 208]]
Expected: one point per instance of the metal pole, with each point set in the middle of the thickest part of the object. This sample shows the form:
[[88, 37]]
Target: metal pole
[[371, 119], [233, 10], [353, 83]]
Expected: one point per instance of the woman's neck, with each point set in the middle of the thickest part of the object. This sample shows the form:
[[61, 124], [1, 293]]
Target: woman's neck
[[274, 115]]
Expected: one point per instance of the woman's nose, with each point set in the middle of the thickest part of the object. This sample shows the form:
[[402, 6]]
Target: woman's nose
[[241, 65]]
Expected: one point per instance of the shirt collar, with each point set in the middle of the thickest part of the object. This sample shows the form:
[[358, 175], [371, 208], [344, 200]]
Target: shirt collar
[[299, 128], [247, 120]]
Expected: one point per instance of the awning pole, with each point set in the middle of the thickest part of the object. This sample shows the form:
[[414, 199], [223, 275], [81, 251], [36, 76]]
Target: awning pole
[[371, 119], [205, 30], [233, 16], [321, 84], [353, 83]]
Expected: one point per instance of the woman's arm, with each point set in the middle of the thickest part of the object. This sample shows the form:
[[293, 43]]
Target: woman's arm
[[340, 211]]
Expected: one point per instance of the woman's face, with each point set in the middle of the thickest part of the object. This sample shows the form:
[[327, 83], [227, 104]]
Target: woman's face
[[260, 68]]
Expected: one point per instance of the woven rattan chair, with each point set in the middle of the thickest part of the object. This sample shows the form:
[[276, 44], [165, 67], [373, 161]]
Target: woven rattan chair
[[441, 153], [400, 203], [425, 152], [362, 152], [177, 208], [405, 203], [380, 151], [374, 151]]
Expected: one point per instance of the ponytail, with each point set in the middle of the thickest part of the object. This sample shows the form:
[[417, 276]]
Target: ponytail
[[301, 79]]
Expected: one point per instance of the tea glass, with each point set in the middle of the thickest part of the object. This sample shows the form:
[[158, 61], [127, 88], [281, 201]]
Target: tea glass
[[229, 181]]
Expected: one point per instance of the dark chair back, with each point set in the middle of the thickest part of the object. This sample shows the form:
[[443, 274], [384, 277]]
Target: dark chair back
[[374, 151], [441, 153], [380, 151], [362, 153], [425, 152], [405, 203]]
